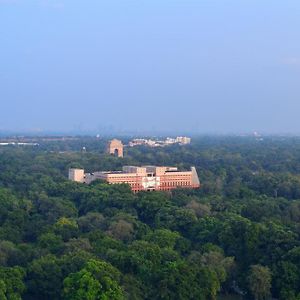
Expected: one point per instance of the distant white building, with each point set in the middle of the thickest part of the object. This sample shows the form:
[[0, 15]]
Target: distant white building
[[181, 140]]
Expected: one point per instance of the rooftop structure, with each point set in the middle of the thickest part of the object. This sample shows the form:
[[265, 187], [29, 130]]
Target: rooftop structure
[[144, 178]]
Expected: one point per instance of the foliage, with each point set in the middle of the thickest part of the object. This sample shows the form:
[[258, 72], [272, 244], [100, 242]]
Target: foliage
[[98, 280], [259, 280], [237, 234]]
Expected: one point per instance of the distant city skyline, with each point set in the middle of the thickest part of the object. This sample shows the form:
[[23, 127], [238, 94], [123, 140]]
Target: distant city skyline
[[150, 67]]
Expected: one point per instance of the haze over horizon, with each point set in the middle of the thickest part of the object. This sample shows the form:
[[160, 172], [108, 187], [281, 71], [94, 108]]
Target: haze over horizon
[[171, 66]]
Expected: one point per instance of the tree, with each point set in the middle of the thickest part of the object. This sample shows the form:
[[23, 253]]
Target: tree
[[73, 262], [76, 245], [44, 278], [177, 219], [8, 202], [9, 254], [287, 280], [148, 205], [201, 210], [163, 238], [259, 282], [66, 227], [98, 280], [11, 284], [2, 290], [81, 285], [121, 230], [215, 260], [51, 242], [144, 258], [91, 221]]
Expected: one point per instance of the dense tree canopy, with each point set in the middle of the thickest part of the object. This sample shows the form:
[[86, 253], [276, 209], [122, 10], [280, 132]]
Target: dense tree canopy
[[238, 234]]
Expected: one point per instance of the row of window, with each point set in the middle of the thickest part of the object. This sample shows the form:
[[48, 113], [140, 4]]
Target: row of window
[[176, 183], [163, 184]]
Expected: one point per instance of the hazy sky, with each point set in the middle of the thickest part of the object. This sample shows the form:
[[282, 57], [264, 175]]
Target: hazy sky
[[202, 66]]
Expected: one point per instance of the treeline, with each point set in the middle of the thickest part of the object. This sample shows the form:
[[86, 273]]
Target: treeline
[[238, 234]]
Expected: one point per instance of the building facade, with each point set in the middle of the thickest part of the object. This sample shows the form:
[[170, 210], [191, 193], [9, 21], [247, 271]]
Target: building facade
[[181, 140], [77, 175], [115, 147], [145, 178]]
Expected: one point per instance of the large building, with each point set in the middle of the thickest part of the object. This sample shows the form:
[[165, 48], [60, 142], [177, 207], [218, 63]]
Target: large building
[[115, 147], [145, 178]]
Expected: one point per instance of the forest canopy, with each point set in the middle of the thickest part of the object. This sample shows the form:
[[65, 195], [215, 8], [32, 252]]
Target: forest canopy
[[236, 235]]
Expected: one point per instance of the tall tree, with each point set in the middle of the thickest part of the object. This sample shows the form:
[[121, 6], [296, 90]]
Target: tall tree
[[98, 280], [259, 281]]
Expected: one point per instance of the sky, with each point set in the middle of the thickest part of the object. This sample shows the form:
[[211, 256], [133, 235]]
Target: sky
[[184, 66]]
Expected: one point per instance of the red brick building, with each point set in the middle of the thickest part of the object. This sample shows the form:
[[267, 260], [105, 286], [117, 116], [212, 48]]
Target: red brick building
[[145, 178]]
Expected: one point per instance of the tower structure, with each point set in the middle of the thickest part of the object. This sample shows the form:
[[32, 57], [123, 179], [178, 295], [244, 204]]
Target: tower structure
[[76, 175], [115, 147]]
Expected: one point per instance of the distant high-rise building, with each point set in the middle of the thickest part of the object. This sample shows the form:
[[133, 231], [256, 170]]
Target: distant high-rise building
[[145, 178], [115, 147]]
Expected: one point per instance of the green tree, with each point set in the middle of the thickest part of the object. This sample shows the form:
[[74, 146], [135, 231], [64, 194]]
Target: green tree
[[66, 227], [51, 242], [81, 286], [44, 278], [121, 230], [163, 238], [98, 280], [259, 282], [11, 284], [91, 221], [2, 290]]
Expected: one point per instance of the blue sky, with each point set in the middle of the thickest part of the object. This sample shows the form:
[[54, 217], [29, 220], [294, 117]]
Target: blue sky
[[224, 66]]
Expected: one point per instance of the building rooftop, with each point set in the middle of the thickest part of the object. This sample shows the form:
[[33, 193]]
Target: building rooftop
[[142, 177]]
